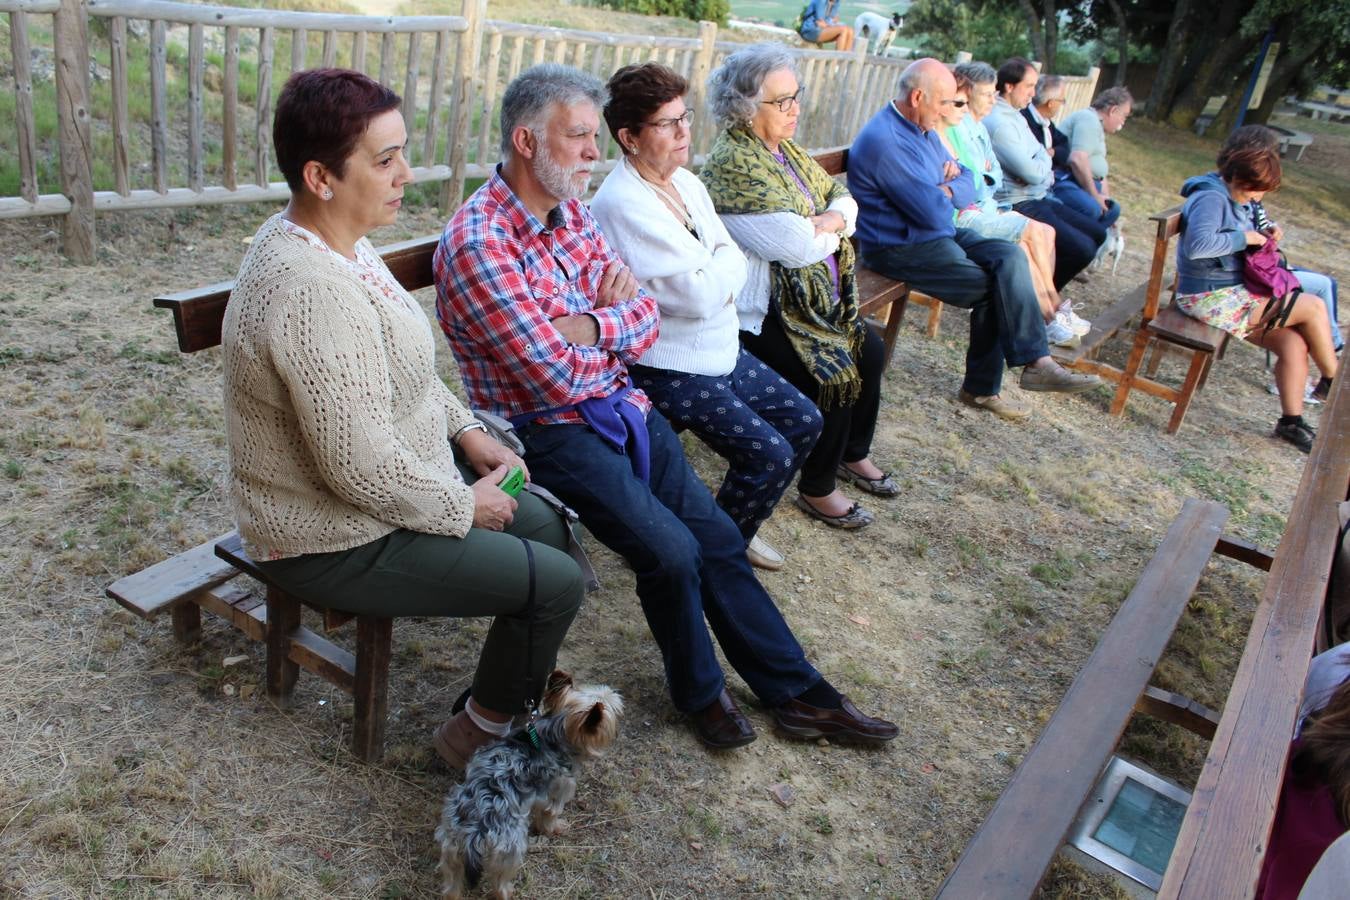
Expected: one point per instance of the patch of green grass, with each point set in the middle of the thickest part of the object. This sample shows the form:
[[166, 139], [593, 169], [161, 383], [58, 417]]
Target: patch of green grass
[[13, 469], [1056, 572]]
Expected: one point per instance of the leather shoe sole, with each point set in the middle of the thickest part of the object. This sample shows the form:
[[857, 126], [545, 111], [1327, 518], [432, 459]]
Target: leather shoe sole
[[721, 725], [809, 723]]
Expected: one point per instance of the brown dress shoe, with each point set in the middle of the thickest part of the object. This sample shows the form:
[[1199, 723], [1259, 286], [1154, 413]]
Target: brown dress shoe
[[458, 739], [721, 725], [801, 720]]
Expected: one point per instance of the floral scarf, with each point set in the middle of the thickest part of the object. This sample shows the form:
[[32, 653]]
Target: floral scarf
[[743, 178]]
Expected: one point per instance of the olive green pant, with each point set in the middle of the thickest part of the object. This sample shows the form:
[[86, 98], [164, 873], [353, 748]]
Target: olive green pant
[[484, 573]]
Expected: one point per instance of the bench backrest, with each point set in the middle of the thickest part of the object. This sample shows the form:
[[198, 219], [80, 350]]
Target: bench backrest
[[1169, 226], [1225, 833], [198, 313]]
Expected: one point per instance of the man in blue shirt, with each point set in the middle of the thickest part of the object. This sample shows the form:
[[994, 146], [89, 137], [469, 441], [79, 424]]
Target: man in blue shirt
[[908, 190]]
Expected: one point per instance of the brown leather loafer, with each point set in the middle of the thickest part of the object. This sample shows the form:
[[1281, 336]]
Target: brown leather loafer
[[801, 720], [721, 725]]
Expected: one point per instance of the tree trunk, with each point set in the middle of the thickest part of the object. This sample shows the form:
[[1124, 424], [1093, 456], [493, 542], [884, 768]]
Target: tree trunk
[[1034, 30], [1221, 70], [1293, 60], [1050, 20], [1122, 41], [1165, 83]]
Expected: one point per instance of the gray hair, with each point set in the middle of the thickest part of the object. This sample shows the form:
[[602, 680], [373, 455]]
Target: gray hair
[[530, 96], [733, 89], [977, 72], [1048, 86], [1112, 96]]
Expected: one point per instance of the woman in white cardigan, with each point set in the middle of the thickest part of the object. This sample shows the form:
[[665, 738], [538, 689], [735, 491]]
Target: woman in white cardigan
[[659, 219]]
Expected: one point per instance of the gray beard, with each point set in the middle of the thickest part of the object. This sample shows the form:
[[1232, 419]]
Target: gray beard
[[558, 180]]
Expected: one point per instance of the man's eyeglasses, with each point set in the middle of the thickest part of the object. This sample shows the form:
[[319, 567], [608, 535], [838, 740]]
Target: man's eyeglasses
[[669, 125], [785, 103]]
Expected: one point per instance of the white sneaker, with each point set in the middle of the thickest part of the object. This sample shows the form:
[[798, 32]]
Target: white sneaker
[[763, 555], [1071, 320], [1059, 334], [1309, 397]]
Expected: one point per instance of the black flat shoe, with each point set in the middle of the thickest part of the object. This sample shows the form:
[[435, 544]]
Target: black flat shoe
[[884, 486]]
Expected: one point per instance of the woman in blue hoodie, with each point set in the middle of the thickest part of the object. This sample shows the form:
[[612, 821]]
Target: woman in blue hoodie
[[1217, 228]]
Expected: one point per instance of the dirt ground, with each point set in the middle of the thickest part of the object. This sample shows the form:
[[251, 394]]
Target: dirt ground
[[132, 766]]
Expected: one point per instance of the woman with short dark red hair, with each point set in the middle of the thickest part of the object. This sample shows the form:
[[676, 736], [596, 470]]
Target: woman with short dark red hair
[[1217, 230], [358, 481]]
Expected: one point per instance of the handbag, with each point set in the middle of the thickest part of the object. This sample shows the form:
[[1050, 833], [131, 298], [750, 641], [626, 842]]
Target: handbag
[[1266, 274]]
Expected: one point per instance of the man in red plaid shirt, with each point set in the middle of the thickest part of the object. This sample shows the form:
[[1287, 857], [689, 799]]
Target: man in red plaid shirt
[[544, 319]]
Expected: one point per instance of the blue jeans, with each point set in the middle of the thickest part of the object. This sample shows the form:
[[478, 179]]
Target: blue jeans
[[688, 556], [991, 279], [1077, 236], [1068, 192], [1323, 286], [761, 425]]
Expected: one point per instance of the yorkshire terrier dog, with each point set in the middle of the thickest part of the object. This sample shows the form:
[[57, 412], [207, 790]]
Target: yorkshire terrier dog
[[522, 780]]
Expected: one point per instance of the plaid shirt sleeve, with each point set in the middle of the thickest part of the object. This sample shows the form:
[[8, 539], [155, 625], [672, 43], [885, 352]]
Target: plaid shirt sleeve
[[532, 366]]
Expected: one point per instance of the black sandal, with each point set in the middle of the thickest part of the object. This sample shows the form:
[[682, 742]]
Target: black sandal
[[1297, 432], [884, 486]]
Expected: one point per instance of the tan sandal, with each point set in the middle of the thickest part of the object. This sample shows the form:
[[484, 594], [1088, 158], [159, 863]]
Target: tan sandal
[[458, 739]]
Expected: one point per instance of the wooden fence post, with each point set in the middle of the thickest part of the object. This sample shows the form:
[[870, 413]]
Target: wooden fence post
[[461, 107], [848, 113], [72, 114]]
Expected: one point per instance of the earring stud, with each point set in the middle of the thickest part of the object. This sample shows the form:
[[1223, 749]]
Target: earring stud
[[327, 195]]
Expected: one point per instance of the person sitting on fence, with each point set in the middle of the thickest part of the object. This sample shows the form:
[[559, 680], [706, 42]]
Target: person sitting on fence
[[544, 321], [1086, 188], [1315, 283], [799, 307], [907, 189], [1216, 231], [696, 373], [1028, 174], [968, 143], [343, 440], [820, 25]]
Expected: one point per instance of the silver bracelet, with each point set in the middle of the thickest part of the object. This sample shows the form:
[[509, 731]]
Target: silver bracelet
[[472, 426]]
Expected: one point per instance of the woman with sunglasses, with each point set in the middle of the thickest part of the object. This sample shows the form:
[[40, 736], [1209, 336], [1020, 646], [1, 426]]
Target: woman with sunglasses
[[660, 220], [798, 309], [968, 143]]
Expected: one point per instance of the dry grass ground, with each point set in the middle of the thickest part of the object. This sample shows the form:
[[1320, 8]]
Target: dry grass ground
[[131, 766]]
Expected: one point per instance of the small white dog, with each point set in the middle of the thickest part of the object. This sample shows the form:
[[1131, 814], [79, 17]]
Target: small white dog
[[1113, 246], [876, 29]]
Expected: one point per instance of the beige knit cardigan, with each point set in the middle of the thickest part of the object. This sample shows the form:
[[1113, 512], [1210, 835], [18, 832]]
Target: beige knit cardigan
[[338, 425]]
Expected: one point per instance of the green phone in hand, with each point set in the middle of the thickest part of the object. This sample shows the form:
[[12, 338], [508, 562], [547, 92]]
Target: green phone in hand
[[514, 482]]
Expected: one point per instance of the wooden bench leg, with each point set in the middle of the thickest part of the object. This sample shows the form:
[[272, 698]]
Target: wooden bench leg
[[187, 622], [1141, 341], [1155, 358], [1204, 374], [934, 318], [1199, 363], [374, 642], [283, 619], [893, 319]]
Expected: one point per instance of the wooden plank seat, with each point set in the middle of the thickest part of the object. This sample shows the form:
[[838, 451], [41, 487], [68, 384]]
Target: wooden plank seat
[[1160, 330], [1012, 849]]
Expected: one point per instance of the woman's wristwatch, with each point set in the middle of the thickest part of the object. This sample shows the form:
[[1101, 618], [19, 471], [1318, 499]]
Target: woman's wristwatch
[[472, 426]]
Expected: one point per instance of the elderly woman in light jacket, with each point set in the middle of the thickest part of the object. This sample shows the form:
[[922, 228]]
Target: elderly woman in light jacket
[[661, 222], [799, 307]]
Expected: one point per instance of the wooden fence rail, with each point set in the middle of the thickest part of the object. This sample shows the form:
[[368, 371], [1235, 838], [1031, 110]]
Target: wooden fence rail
[[183, 95]]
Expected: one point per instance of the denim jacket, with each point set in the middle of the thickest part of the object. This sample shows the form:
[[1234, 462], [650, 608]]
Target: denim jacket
[[1213, 236]]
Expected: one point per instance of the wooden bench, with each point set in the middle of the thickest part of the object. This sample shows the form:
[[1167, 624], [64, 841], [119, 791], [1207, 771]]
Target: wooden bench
[[876, 292], [1227, 826], [1161, 329], [204, 578]]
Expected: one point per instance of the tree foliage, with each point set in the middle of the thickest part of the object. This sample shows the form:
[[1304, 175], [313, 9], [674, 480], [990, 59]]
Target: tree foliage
[[987, 31], [698, 10]]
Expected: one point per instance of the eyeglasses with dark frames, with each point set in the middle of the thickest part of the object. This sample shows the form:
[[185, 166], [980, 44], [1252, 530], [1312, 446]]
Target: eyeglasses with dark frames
[[668, 125], [785, 103]]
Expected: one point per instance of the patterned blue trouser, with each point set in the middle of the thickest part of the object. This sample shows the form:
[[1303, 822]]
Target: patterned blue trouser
[[761, 425]]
